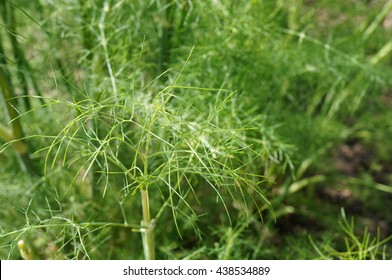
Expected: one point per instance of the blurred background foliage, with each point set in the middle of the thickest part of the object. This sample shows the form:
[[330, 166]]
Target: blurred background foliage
[[260, 128]]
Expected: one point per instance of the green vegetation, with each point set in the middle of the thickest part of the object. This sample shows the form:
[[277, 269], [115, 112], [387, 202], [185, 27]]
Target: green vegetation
[[195, 129]]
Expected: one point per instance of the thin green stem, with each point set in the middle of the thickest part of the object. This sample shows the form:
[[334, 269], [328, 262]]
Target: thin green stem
[[17, 132], [104, 44], [24, 68], [148, 232], [165, 38]]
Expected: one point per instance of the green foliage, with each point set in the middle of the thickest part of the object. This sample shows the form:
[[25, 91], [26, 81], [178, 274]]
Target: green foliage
[[357, 247], [194, 129]]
